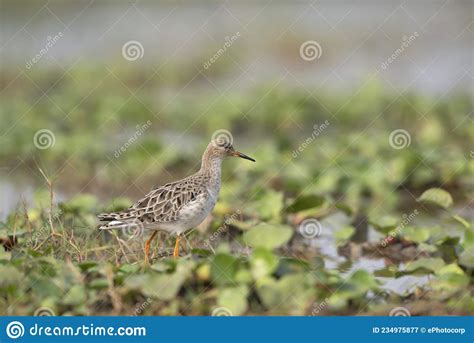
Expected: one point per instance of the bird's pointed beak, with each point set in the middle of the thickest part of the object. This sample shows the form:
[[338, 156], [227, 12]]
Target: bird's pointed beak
[[245, 157]]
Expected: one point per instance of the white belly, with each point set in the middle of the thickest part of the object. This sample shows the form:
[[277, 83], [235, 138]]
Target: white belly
[[193, 214]]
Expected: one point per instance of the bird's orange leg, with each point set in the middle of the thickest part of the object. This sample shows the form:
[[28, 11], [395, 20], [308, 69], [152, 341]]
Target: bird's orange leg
[[176, 246], [147, 246]]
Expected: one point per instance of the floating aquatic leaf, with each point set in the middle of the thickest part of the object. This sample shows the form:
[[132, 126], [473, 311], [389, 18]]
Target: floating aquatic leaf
[[292, 293], [101, 283], [305, 202], [162, 286], [384, 223], [362, 280], [468, 238], [343, 235], [431, 264], [466, 258], [427, 247], [269, 205], [437, 196], [289, 265], [385, 272], [450, 278], [263, 263], [244, 225], [268, 236], [416, 234], [355, 287], [224, 268], [234, 299]]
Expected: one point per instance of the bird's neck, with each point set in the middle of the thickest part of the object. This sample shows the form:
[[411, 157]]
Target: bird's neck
[[211, 166]]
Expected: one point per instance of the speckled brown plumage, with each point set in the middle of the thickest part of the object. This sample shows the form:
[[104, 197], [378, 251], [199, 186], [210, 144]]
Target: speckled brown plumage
[[177, 206], [163, 204]]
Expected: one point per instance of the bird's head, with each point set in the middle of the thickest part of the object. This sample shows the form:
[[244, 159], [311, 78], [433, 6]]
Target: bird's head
[[221, 147]]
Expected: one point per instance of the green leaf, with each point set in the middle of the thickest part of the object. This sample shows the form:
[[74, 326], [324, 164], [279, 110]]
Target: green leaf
[[268, 236], [362, 280], [101, 283], [75, 296], [466, 258], [234, 299], [355, 287], [427, 247], [162, 286], [201, 252], [86, 265], [305, 202], [432, 264], [263, 263], [437, 196], [450, 278], [468, 238], [129, 268], [224, 268], [9, 276], [269, 205], [416, 234], [292, 293], [384, 223], [343, 235]]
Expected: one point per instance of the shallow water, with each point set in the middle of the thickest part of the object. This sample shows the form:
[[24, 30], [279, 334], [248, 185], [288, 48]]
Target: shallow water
[[325, 243]]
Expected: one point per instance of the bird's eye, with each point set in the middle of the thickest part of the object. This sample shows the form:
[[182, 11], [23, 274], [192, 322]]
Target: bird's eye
[[221, 143]]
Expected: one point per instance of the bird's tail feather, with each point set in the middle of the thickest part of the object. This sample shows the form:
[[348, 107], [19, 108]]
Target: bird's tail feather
[[115, 220]]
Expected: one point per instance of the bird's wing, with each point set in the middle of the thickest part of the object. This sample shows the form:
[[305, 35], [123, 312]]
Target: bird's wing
[[161, 205]]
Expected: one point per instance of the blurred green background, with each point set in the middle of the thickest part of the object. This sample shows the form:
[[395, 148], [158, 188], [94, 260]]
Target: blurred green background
[[111, 98]]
